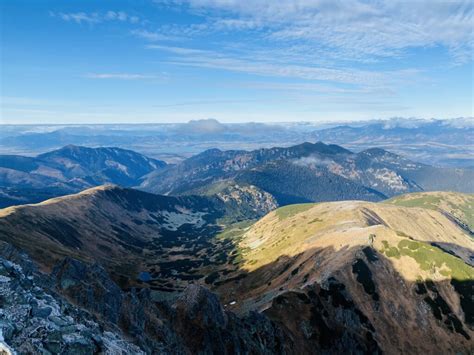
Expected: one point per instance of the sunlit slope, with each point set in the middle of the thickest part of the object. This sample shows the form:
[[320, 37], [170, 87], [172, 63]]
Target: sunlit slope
[[400, 277], [457, 205], [294, 229]]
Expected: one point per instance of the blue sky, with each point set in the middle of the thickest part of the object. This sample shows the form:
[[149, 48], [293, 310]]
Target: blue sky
[[236, 61]]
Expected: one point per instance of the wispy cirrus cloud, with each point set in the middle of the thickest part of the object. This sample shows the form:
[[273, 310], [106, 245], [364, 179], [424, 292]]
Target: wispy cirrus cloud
[[311, 55], [96, 17], [183, 50], [205, 102], [318, 88], [352, 30], [246, 63]]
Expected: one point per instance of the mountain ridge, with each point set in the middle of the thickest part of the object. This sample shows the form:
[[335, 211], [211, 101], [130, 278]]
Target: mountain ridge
[[373, 169]]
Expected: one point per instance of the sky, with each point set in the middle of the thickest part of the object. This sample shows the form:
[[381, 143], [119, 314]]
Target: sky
[[146, 61]]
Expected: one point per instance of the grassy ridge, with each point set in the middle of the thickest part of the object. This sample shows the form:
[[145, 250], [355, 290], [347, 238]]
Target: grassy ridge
[[430, 257], [292, 210], [458, 205], [430, 202]]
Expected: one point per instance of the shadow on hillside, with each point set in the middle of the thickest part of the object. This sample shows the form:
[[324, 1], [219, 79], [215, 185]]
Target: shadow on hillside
[[363, 298], [465, 254]]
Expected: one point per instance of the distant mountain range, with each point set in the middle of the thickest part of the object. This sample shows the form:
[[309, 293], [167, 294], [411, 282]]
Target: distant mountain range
[[435, 142], [438, 142], [307, 173], [68, 170], [302, 173]]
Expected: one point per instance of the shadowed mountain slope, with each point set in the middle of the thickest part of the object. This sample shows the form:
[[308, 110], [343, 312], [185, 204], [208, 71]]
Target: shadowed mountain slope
[[114, 165], [124, 229], [215, 164]]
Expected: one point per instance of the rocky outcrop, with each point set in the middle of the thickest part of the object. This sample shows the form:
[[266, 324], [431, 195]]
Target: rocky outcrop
[[35, 321], [194, 322], [246, 201], [90, 287], [201, 307]]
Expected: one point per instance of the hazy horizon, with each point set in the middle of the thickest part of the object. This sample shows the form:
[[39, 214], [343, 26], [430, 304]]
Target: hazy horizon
[[463, 121]]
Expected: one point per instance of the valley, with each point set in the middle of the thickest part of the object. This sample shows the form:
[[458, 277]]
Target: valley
[[307, 268]]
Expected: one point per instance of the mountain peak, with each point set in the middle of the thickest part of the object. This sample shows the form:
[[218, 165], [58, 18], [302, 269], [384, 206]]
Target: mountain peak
[[105, 187], [331, 148], [212, 151], [68, 150], [62, 199], [319, 147], [87, 192], [375, 152]]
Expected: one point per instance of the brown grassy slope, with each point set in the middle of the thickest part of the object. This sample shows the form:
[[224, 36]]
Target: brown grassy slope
[[289, 231]]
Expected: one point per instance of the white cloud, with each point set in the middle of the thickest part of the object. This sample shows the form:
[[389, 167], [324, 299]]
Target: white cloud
[[313, 161], [79, 17], [316, 88], [182, 50]]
